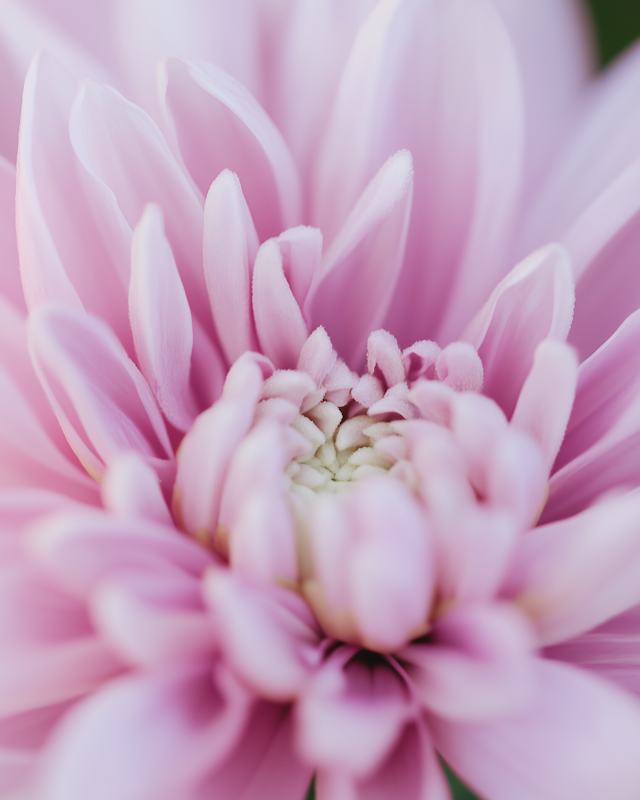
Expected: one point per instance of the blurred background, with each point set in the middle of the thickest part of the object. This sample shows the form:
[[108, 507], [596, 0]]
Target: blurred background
[[617, 24]]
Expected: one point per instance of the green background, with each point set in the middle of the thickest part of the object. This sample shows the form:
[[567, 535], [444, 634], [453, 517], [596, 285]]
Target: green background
[[617, 24]]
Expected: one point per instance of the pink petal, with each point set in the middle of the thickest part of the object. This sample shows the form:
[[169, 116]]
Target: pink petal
[[574, 574], [384, 358], [125, 164], [477, 664], [546, 398], [207, 449], [230, 247], [131, 488], [534, 302], [264, 764], [144, 631], [166, 729], [161, 320], [219, 125], [82, 548], [552, 40], [62, 254], [284, 270], [102, 402], [574, 741], [10, 282], [598, 453], [33, 451], [352, 712], [459, 366], [267, 633], [255, 509], [367, 251]]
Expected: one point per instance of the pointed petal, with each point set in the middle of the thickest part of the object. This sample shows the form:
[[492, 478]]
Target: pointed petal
[[361, 267], [574, 741], [534, 302], [546, 398], [230, 247], [125, 164], [102, 402], [161, 320], [219, 125], [575, 574]]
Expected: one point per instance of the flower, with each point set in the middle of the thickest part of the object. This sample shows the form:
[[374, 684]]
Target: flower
[[300, 475]]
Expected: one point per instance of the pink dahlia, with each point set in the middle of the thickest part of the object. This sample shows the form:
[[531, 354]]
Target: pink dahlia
[[300, 476]]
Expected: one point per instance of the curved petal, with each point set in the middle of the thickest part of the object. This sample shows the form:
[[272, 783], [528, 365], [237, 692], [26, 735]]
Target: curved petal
[[230, 246], [477, 664], [102, 402], [575, 574], [126, 163], [267, 633], [534, 302], [219, 125], [62, 255], [161, 320], [166, 730], [131, 488], [10, 282], [359, 270], [575, 740]]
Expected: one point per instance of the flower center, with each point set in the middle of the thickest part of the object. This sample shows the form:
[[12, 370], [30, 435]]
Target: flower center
[[339, 450]]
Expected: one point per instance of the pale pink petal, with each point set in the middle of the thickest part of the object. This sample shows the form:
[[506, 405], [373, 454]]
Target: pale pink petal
[[574, 574], [62, 255], [391, 574], [317, 357], [255, 509], [230, 247], [384, 358], [207, 449], [25, 30], [534, 302], [145, 631], [576, 740], [552, 40], [367, 251], [603, 244], [126, 163], [610, 650], [34, 452], [219, 125], [460, 367], [166, 730], [352, 712], [264, 764], [546, 398], [477, 664], [82, 548], [267, 633], [101, 400], [131, 488], [283, 273], [161, 320], [609, 122], [143, 34], [10, 283]]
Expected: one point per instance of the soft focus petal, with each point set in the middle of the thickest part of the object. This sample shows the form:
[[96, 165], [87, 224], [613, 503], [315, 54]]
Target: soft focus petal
[[131, 488], [10, 283], [574, 574], [575, 740]]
